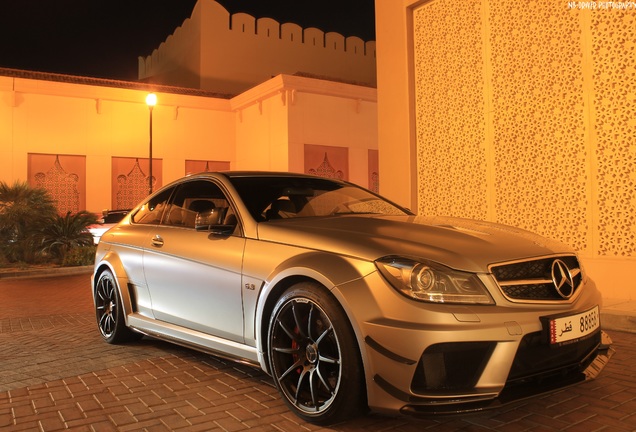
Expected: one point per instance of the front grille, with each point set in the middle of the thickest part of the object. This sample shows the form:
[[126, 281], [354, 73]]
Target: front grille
[[533, 280]]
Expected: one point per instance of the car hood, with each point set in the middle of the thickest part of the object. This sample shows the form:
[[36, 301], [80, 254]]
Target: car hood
[[462, 244]]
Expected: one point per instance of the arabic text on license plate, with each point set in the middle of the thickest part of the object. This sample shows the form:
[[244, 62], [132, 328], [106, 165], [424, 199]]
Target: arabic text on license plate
[[571, 327]]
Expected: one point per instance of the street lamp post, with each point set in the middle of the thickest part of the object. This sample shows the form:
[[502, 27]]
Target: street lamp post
[[151, 101]]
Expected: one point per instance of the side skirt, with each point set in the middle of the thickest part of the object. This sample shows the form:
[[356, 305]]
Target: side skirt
[[195, 340]]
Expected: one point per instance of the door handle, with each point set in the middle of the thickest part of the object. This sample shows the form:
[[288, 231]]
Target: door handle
[[157, 241]]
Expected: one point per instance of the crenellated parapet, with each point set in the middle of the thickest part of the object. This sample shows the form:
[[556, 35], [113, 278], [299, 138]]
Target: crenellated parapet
[[229, 53]]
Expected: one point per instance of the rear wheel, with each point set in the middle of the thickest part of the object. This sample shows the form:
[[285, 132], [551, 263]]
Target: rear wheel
[[314, 357], [109, 311]]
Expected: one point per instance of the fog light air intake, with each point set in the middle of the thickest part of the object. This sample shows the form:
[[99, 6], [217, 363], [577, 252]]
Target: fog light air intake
[[451, 366]]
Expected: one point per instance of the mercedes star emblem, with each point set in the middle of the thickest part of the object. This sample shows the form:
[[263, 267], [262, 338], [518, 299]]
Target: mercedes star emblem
[[562, 279]]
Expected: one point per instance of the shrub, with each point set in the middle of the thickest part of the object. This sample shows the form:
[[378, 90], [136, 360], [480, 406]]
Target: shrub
[[81, 256], [32, 232], [24, 212], [66, 233], [4, 262]]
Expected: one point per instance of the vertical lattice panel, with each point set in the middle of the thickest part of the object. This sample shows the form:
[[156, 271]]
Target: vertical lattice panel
[[613, 36], [541, 161], [538, 133], [451, 147]]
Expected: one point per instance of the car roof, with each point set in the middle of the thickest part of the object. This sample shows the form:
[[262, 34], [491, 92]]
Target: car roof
[[255, 174], [232, 174]]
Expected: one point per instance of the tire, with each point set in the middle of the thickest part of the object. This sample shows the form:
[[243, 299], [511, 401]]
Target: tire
[[110, 312], [314, 357]]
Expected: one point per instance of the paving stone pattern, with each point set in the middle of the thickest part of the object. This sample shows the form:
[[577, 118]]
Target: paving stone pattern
[[57, 374]]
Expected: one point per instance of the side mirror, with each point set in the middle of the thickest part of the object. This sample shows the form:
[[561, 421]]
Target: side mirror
[[222, 230]]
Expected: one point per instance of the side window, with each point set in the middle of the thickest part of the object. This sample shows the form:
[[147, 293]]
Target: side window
[[198, 204], [152, 211]]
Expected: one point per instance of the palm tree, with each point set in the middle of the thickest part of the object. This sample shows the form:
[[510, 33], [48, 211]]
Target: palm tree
[[64, 233], [24, 212]]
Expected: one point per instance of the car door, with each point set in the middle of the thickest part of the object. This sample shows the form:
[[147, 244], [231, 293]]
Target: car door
[[194, 275]]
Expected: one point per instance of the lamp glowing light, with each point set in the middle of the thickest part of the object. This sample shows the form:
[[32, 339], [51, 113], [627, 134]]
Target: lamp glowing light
[[151, 100]]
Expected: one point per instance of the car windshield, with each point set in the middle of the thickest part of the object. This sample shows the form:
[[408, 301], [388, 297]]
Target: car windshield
[[269, 198]]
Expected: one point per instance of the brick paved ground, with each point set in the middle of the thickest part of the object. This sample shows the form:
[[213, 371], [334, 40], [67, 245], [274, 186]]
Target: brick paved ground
[[57, 374]]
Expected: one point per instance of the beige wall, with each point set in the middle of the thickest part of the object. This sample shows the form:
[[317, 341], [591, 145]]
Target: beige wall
[[396, 130], [516, 112], [265, 128], [287, 112], [216, 51], [324, 113]]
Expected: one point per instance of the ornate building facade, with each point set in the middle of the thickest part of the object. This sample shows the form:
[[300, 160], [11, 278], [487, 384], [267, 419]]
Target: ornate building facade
[[86, 140]]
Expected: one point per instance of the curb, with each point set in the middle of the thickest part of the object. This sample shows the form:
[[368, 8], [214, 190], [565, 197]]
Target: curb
[[618, 320], [48, 272]]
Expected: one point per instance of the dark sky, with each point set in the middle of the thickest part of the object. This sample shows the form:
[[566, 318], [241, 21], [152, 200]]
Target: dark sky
[[103, 38]]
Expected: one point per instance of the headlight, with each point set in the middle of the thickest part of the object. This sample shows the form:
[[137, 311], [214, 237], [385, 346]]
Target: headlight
[[431, 282]]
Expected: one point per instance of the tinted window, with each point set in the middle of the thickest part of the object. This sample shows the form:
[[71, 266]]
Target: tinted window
[[269, 198], [152, 211], [198, 204]]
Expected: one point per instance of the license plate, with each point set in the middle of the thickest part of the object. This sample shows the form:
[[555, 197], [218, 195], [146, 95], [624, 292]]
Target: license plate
[[565, 329]]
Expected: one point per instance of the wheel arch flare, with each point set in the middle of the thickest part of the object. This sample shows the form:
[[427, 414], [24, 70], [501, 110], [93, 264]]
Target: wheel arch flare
[[112, 262], [331, 272]]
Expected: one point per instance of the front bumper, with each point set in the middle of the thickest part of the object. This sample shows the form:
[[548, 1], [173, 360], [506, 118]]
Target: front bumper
[[521, 387], [426, 359]]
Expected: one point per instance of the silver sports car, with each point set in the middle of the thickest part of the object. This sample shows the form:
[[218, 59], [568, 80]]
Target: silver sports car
[[346, 299]]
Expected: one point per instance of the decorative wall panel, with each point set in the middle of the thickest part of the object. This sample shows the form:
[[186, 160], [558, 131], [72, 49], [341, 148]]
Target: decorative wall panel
[[197, 166], [449, 91], [327, 161], [613, 35], [374, 171], [526, 115], [63, 176], [130, 182], [541, 159]]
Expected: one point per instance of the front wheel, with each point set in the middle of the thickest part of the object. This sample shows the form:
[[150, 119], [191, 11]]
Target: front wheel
[[314, 357], [110, 312]]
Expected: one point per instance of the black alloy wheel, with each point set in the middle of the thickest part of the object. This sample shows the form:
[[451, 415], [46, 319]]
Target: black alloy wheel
[[109, 311], [314, 357]]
